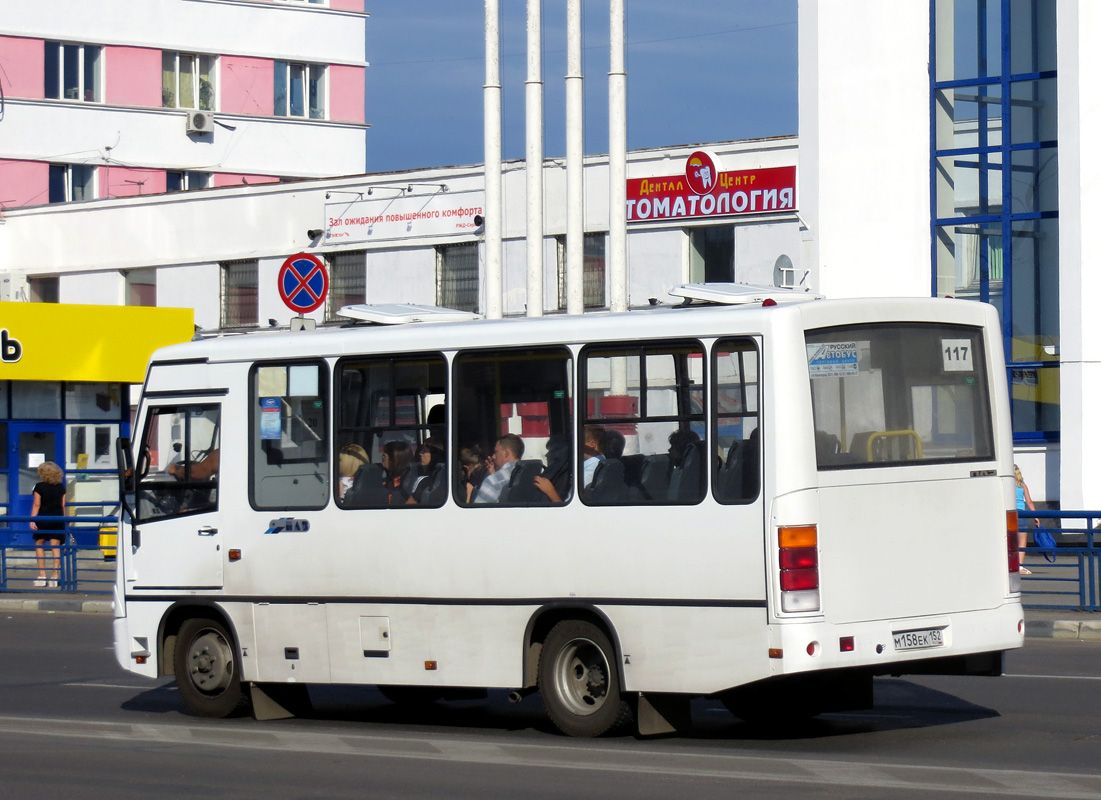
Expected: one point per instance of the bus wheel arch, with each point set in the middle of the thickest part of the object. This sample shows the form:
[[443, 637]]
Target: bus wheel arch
[[579, 673], [203, 649]]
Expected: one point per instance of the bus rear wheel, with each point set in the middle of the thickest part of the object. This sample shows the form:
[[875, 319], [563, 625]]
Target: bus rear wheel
[[579, 681], [207, 670]]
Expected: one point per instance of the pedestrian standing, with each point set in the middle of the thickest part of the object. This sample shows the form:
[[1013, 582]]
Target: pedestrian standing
[[49, 501]]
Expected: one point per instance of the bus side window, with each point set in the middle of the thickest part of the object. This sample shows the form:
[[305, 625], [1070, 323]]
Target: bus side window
[[289, 441], [644, 434], [515, 402], [392, 432], [736, 462]]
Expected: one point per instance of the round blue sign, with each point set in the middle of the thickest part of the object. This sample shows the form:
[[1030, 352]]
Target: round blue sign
[[303, 282]]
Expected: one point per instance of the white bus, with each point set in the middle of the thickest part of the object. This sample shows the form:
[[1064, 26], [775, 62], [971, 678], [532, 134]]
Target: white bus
[[788, 499]]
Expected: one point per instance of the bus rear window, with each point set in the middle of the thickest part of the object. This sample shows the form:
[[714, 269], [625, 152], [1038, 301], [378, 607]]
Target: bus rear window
[[894, 394]]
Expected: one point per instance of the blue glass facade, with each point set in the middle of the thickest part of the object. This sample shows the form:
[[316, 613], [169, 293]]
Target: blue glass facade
[[994, 181]]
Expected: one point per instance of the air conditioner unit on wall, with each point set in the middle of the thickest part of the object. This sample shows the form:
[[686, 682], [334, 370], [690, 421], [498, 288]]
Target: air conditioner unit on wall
[[200, 122]]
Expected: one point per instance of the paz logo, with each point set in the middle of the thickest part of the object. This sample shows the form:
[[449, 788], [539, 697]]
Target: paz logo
[[701, 173], [11, 349]]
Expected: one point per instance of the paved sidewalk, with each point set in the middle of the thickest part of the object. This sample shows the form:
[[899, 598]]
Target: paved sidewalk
[[1039, 623]]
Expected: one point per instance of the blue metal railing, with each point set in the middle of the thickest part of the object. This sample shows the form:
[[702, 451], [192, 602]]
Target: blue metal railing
[[83, 565], [1072, 580]]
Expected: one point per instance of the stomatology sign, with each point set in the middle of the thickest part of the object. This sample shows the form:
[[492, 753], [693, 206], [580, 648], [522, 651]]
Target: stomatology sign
[[705, 190], [403, 216]]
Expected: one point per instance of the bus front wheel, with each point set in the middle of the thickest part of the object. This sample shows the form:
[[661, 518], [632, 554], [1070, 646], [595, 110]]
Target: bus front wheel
[[207, 672], [579, 681]]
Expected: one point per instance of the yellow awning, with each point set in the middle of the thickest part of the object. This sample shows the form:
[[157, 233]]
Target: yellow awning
[[64, 342]]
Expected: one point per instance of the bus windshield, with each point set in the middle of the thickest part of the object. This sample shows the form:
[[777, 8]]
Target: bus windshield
[[898, 393]]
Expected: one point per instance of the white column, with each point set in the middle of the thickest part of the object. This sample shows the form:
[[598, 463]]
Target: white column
[[617, 161], [534, 130], [575, 177], [492, 134]]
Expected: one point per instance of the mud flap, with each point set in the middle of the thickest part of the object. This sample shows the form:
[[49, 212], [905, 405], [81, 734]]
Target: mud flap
[[663, 713], [279, 700]]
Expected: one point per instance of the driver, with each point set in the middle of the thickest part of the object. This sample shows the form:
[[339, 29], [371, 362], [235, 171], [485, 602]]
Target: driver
[[200, 470]]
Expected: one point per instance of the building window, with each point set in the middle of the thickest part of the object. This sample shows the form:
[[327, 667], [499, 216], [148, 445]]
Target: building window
[[240, 285], [141, 287], [711, 254], [44, 290], [299, 90], [457, 276], [592, 270], [994, 167], [187, 81], [185, 181], [73, 72], [347, 281], [72, 182]]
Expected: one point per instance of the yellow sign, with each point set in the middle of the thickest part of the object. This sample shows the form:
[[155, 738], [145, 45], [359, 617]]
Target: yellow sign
[[63, 342]]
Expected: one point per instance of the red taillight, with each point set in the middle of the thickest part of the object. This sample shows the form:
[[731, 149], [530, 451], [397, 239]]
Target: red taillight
[[798, 580], [846, 644], [1011, 541], [799, 558], [799, 568]]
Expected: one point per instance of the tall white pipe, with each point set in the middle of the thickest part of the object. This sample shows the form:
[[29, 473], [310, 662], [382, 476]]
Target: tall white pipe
[[617, 160], [575, 153], [492, 133], [534, 128]]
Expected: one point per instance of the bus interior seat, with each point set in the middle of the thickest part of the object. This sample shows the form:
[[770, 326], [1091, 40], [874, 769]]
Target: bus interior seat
[[609, 485], [728, 482], [653, 484], [367, 490], [751, 465], [521, 486], [686, 481]]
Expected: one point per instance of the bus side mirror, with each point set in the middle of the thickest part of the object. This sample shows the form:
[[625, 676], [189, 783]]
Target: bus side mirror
[[125, 461]]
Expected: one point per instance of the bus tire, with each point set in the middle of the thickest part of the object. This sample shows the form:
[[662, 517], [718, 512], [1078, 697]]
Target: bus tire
[[207, 669], [579, 680]]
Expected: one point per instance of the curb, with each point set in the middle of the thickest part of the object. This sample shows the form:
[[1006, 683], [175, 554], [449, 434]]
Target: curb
[[1063, 629], [51, 606]]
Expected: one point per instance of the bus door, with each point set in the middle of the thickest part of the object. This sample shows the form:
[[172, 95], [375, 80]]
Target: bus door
[[31, 444], [177, 538]]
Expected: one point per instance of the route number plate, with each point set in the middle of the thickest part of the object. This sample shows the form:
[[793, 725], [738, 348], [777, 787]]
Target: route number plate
[[919, 640]]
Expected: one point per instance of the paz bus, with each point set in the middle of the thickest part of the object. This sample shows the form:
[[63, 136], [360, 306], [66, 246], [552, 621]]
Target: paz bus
[[790, 497]]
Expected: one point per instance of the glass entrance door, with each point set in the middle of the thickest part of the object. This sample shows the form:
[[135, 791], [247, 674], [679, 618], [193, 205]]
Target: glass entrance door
[[30, 444]]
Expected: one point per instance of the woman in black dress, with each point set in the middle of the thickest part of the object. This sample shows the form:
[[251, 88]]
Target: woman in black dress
[[49, 501]]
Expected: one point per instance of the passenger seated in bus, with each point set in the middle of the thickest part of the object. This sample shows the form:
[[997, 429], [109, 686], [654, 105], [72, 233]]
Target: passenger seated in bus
[[352, 457], [555, 479], [472, 464], [596, 439], [506, 453], [615, 445], [397, 458], [429, 477], [685, 478]]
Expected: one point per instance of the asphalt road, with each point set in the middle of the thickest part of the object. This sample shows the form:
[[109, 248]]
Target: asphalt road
[[73, 724]]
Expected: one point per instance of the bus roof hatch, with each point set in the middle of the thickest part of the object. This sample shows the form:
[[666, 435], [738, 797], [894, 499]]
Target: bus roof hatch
[[733, 294], [403, 313]]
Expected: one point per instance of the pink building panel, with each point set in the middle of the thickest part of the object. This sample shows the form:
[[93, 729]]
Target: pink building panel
[[233, 179], [346, 92], [133, 76], [24, 183], [130, 182], [347, 5], [23, 67], [248, 85]]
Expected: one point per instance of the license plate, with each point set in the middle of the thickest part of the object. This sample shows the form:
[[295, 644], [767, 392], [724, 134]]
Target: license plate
[[918, 640]]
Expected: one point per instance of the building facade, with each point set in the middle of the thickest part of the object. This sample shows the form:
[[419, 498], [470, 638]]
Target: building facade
[[136, 97], [943, 151]]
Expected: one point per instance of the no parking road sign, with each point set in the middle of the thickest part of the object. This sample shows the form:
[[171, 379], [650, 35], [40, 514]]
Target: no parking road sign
[[303, 282]]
